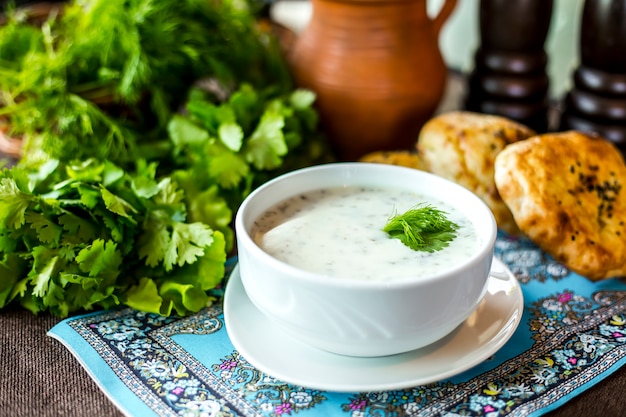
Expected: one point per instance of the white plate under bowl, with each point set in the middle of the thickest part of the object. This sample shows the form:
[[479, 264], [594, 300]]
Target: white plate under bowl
[[267, 347]]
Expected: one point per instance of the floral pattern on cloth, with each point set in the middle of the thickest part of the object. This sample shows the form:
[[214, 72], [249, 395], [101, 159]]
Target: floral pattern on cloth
[[572, 333]]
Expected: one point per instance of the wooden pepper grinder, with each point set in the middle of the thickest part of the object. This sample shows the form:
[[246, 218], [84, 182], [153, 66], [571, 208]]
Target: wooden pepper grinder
[[509, 77], [597, 100]]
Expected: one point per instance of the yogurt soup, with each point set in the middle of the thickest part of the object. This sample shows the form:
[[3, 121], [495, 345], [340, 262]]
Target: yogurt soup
[[338, 232]]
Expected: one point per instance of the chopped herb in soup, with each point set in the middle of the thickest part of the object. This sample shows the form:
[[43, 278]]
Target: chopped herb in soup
[[423, 227]]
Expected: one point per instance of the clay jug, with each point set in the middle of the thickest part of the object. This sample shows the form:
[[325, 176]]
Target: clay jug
[[376, 68]]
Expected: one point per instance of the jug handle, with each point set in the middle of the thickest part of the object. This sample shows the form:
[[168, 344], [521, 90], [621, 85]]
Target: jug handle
[[446, 10]]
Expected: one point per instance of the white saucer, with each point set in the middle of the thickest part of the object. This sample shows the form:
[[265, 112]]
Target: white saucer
[[262, 343]]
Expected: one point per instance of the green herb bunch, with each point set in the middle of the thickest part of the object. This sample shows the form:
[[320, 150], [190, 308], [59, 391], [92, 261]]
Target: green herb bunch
[[78, 237], [146, 123], [103, 77], [228, 148], [422, 228]]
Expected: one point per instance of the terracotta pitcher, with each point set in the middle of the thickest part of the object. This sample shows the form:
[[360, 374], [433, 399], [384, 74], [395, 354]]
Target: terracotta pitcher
[[376, 68]]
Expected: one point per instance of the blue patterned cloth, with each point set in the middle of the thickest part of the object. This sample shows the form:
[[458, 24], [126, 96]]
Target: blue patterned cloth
[[572, 335]]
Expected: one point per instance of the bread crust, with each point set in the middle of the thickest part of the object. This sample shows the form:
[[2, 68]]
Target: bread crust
[[565, 191], [402, 158], [462, 146]]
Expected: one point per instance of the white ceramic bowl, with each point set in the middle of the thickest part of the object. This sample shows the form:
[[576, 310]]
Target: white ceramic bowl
[[364, 318]]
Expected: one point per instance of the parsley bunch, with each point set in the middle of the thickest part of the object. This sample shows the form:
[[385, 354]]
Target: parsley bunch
[[78, 237], [228, 147]]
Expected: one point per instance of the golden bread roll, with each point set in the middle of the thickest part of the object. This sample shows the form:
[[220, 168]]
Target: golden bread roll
[[402, 158], [461, 146], [566, 193]]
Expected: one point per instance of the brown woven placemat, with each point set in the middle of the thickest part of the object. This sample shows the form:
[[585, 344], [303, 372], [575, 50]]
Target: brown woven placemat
[[39, 376]]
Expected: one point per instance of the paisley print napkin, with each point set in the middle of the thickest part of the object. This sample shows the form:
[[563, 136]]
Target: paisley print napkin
[[572, 335]]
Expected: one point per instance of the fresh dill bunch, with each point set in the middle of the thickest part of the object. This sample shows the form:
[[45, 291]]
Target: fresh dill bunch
[[422, 228], [102, 78]]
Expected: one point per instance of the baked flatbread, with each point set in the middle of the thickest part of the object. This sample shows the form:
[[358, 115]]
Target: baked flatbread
[[461, 146], [566, 193], [402, 158]]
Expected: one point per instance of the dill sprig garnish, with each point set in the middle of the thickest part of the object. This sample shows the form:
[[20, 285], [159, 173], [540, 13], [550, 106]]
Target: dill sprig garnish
[[422, 228]]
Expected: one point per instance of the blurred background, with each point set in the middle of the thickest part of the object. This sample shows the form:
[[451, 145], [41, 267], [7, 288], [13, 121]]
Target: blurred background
[[460, 37]]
